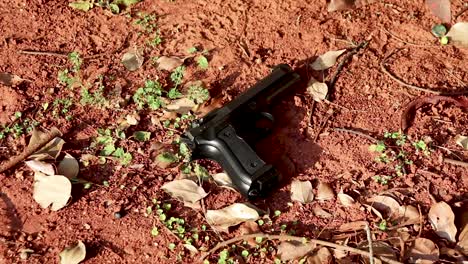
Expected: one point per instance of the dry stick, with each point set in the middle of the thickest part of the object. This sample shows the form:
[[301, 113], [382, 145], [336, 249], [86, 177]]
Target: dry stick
[[334, 77], [355, 133], [30, 150], [298, 239], [456, 162], [369, 241], [421, 89], [460, 13], [45, 53]]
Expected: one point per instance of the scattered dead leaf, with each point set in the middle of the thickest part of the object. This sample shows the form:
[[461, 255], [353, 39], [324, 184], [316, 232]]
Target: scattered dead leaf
[[193, 250], [55, 190], [223, 180], [317, 90], [458, 34], [301, 191], [423, 251], [462, 141], [49, 151], [345, 199], [322, 256], [184, 190], [408, 114], [9, 79], [442, 219], [133, 119], [463, 236], [231, 215], [352, 226], [409, 215], [289, 250], [318, 211], [74, 254], [454, 254], [324, 192], [380, 249], [132, 60], [388, 206], [181, 106], [68, 167], [441, 9], [326, 60], [169, 63], [40, 166]]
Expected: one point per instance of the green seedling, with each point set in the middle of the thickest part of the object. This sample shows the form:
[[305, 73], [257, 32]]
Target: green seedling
[[71, 77], [277, 213], [192, 50], [62, 107], [198, 94], [178, 75], [114, 6], [18, 127], [75, 60], [382, 179], [421, 146], [149, 95], [383, 225], [95, 98], [202, 62], [154, 231], [107, 142], [147, 22], [142, 135], [155, 39], [223, 256], [174, 93]]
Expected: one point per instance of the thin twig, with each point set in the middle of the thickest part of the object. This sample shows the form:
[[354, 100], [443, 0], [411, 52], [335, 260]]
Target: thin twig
[[418, 88], [298, 239], [43, 53], [324, 123], [456, 162], [420, 221], [369, 241], [409, 43], [30, 150], [460, 13], [334, 77], [355, 133]]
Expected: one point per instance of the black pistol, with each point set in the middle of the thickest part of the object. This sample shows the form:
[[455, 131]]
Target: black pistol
[[228, 134]]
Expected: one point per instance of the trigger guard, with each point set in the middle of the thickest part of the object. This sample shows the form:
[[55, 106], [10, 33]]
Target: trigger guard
[[264, 122]]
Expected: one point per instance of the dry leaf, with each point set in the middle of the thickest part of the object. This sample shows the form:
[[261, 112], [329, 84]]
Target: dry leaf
[[388, 206], [455, 254], [169, 63], [326, 60], [74, 254], [458, 34], [409, 215], [9, 79], [322, 256], [231, 215], [223, 180], [352, 226], [373, 210], [324, 192], [289, 250], [132, 119], [463, 236], [345, 199], [50, 151], [462, 141], [301, 191], [441, 9], [317, 90], [423, 251], [68, 167], [193, 250], [380, 249], [132, 60], [181, 106], [184, 190], [40, 166], [318, 211], [55, 190], [442, 219]]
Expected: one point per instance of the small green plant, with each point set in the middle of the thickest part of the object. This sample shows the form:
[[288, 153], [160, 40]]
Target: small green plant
[[75, 60], [382, 179], [155, 39], [223, 256], [192, 50], [174, 93], [149, 95], [178, 75], [61, 106], [107, 142], [71, 77], [383, 225], [18, 127], [147, 22], [202, 62], [198, 94], [421, 146]]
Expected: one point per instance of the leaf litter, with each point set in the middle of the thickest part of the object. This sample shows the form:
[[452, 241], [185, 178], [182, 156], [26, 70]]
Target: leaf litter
[[318, 90], [73, 254], [441, 9], [301, 191], [52, 190], [68, 167], [442, 220], [326, 60], [422, 251], [184, 190], [290, 250], [231, 215], [458, 34]]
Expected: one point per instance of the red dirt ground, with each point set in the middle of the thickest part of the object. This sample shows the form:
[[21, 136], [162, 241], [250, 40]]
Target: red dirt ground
[[245, 39]]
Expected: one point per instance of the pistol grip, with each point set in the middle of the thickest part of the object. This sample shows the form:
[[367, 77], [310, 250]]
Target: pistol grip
[[249, 173]]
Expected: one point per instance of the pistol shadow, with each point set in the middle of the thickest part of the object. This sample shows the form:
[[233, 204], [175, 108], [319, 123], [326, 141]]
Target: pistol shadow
[[9, 212]]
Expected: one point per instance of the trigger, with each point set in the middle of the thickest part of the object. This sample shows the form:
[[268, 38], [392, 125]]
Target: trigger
[[264, 122]]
